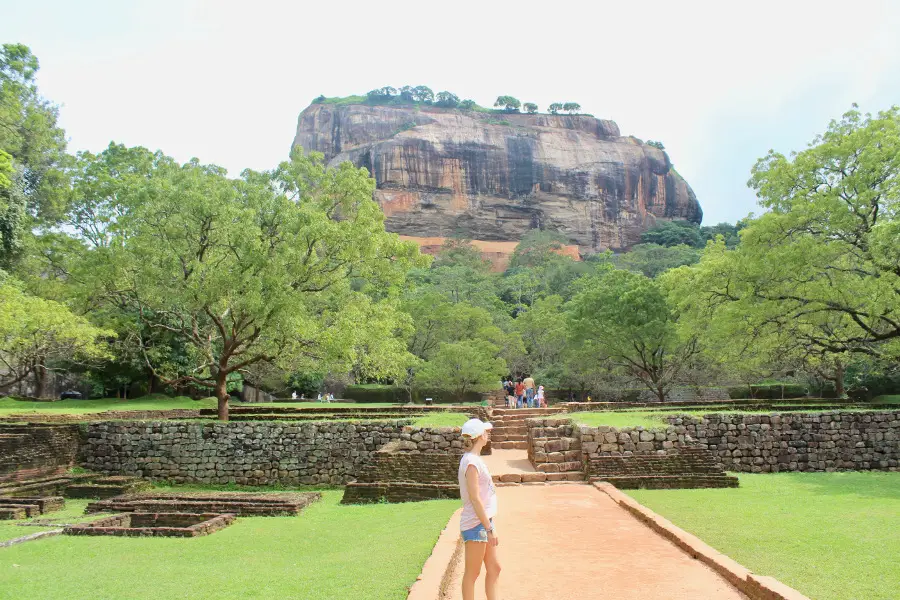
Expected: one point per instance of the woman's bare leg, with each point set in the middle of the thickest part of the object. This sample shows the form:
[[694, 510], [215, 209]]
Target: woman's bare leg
[[475, 552], [491, 572]]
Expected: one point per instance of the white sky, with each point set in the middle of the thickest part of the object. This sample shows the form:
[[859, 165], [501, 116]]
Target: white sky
[[718, 82]]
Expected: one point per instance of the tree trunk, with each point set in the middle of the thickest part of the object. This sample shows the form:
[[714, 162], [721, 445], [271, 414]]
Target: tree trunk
[[661, 393], [839, 380], [40, 380], [221, 395]]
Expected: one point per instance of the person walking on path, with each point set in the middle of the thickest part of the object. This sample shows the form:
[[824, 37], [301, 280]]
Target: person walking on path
[[539, 400], [520, 394], [476, 489], [529, 391]]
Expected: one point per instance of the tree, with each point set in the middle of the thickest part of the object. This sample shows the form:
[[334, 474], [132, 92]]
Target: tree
[[673, 233], [627, 318], [257, 270], [36, 334], [728, 231], [653, 259], [543, 329], [32, 152], [571, 107], [406, 93], [555, 108], [447, 100], [423, 93], [467, 104], [530, 107], [654, 144], [462, 367], [828, 245], [508, 103], [382, 94]]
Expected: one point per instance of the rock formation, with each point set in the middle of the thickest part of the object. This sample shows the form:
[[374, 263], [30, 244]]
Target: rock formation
[[492, 177]]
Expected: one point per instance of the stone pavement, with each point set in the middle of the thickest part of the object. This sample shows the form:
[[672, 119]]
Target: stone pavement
[[572, 542]]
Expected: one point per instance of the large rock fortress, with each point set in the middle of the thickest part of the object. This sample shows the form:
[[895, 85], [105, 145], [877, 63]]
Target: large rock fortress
[[492, 177]]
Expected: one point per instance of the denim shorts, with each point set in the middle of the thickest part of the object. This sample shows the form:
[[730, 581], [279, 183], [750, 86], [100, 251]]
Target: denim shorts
[[476, 534]]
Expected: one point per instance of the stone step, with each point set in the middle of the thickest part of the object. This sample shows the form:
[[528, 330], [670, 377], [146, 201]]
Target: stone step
[[560, 467], [12, 512], [511, 445], [538, 478], [512, 437]]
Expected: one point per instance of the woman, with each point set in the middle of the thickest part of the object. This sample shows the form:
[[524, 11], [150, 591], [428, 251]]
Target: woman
[[476, 489], [539, 400]]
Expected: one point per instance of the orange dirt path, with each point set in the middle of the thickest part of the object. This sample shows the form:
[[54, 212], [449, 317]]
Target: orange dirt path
[[572, 542], [503, 461]]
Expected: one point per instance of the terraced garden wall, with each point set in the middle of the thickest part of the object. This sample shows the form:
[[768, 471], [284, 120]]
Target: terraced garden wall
[[828, 441], [251, 453], [35, 450]]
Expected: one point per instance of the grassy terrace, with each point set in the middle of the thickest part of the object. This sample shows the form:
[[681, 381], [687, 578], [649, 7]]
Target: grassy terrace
[[328, 552], [72, 513], [657, 418], [832, 536], [9, 406]]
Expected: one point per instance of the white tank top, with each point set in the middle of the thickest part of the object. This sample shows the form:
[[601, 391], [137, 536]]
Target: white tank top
[[486, 492]]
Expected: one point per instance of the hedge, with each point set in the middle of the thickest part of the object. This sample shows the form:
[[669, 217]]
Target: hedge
[[769, 391], [398, 395]]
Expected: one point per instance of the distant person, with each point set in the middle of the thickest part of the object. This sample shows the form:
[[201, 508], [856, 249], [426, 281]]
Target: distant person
[[539, 399], [476, 523], [520, 394], [529, 391], [319, 398], [510, 388], [293, 395], [302, 395]]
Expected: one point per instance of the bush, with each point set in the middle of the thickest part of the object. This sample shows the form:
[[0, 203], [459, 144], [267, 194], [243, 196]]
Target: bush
[[768, 391], [397, 395]]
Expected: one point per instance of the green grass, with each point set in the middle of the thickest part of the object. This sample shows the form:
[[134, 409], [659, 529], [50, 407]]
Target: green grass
[[648, 420], [73, 512], [887, 399], [832, 536], [441, 419], [328, 552]]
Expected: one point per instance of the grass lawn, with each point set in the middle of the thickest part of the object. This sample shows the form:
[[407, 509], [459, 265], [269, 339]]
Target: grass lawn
[[9, 406], [328, 552], [887, 399], [657, 418], [72, 513], [441, 419], [832, 536]]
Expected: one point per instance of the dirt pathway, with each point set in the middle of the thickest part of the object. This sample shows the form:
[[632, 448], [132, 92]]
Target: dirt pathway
[[573, 542]]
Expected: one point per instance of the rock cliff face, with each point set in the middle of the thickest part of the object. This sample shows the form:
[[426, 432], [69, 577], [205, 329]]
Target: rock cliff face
[[492, 177]]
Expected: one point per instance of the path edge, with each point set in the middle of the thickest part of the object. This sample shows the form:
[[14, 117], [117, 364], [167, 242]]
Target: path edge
[[756, 587], [30, 537], [437, 572]]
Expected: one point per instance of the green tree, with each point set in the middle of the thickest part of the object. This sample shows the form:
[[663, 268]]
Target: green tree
[[461, 367], [37, 334], [728, 231], [530, 107], [423, 93], [467, 104], [653, 259], [627, 318], [544, 331], [829, 243], [571, 107], [508, 103], [32, 152], [555, 108], [258, 270], [673, 233], [447, 100], [654, 144]]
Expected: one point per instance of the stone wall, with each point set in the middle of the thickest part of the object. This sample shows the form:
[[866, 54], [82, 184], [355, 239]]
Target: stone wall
[[260, 452], [257, 453], [33, 450], [828, 441]]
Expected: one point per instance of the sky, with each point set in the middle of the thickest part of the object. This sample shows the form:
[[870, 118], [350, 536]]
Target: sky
[[719, 83]]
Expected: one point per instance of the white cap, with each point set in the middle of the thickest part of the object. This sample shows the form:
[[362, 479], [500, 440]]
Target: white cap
[[475, 427]]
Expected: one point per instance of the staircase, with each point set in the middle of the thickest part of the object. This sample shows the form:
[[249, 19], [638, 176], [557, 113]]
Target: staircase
[[510, 431]]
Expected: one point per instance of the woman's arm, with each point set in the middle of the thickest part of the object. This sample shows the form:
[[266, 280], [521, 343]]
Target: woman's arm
[[477, 504]]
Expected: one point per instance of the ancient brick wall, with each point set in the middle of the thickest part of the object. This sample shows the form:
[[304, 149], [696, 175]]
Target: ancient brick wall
[[825, 441], [251, 453], [34, 450]]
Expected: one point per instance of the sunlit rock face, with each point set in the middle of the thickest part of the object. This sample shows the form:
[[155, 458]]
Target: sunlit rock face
[[492, 177]]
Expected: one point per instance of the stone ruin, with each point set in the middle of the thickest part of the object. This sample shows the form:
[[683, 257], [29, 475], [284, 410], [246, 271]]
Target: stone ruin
[[154, 524], [243, 504], [26, 507]]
